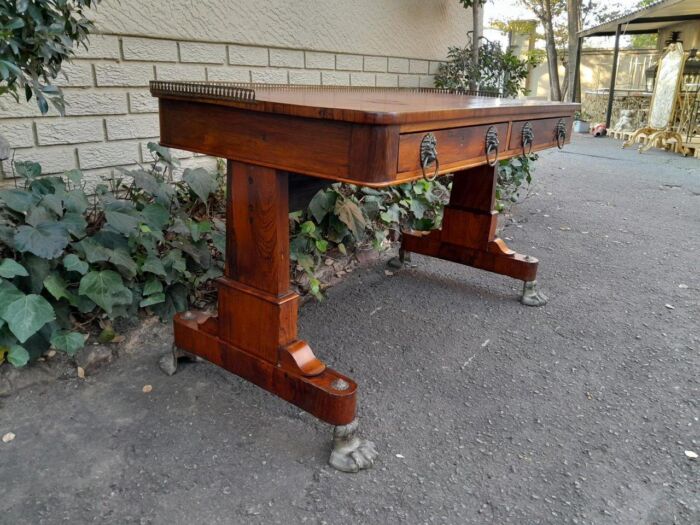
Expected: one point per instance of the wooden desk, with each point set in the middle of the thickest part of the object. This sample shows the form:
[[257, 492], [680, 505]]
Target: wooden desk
[[365, 136]]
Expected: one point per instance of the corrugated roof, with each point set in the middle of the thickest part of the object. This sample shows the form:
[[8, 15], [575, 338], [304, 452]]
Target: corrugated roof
[[649, 19]]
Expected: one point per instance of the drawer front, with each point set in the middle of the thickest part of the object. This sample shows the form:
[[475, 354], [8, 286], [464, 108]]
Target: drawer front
[[544, 133], [455, 147]]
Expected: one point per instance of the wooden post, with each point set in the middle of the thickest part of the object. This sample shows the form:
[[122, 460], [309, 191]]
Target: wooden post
[[576, 95], [613, 74]]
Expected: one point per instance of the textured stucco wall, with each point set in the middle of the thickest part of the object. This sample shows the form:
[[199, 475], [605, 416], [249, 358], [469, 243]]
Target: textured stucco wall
[[413, 28], [110, 115]]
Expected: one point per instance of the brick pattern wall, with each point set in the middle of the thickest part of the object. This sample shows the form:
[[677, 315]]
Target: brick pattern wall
[[111, 116]]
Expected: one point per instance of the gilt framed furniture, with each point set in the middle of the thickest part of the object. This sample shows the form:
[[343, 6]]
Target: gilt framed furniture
[[660, 127], [369, 136]]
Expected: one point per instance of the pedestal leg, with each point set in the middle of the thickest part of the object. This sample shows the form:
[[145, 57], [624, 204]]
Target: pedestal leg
[[468, 234], [254, 334]]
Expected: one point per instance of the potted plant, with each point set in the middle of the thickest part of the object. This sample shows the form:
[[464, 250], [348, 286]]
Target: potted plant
[[581, 122]]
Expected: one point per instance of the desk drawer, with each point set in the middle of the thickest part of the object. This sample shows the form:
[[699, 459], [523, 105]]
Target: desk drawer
[[456, 147], [544, 133]]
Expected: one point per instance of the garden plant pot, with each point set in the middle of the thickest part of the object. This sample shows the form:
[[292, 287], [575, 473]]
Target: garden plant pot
[[581, 126]]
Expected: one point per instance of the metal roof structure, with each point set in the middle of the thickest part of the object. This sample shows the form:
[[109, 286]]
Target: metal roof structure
[[646, 20], [649, 19]]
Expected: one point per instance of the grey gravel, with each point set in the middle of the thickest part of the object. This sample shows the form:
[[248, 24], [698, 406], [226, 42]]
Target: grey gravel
[[483, 410]]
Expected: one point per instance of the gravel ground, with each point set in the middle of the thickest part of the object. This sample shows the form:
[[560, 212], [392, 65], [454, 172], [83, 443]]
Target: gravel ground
[[483, 410]]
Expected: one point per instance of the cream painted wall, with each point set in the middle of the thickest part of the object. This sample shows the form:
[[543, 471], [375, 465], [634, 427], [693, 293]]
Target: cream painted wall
[[111, 116], [596, 66], [413, 28]]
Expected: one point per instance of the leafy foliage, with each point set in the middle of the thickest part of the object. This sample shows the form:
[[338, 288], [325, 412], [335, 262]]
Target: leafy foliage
[[497, 71], [343, 217], [36, 36], [514, 176], [69, 261]]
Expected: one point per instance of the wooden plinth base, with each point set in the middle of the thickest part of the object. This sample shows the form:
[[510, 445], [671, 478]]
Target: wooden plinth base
[[468, 234], [496, 257], [328, 395]]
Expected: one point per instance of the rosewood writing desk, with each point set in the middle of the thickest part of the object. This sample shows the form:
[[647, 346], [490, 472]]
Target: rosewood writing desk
[[365, 136]]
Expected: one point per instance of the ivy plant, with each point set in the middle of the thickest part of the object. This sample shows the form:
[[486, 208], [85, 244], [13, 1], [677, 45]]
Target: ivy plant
[[70, 260]]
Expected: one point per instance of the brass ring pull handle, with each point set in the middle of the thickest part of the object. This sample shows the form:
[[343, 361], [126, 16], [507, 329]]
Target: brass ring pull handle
[[561, 133], [527, 136], [428, 154], [492, 146]]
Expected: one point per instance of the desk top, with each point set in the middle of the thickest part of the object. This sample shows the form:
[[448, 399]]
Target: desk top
[[383, 106]]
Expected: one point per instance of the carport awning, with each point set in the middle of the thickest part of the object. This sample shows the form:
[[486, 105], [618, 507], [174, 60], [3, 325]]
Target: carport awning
[[649, 19]]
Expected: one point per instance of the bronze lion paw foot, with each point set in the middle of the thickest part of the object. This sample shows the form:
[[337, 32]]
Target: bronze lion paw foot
[[531, 295], [169, 361], [350, 453]]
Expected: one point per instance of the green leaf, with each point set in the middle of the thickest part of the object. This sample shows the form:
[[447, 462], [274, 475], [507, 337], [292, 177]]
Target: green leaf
[[201, 182], [153, 285], [163, 192], [27, 315], [156, 216], [321, 245], [162, 152], [418, 208], [125, 223], [53, 202], [75, 201], [342, 249], [75, 176], [73, 263], [106, 335], [322, 203], [68, 342], [28, 170], [175, 301], [9, 293], [39, 214], [57, 287], [391, 215], [106, 289], [199, 228], [123, 261], [153, 265], [219, 240], [46, 240], [152, 299], [18, 356], [308, 227], [75, 224], [18, 200], [38, 269], [350, 214], [10, 268], [93, 250]]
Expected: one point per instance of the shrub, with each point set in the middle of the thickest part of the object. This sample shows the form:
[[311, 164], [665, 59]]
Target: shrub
[[497, 71], [36, 36], [70, 260]]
